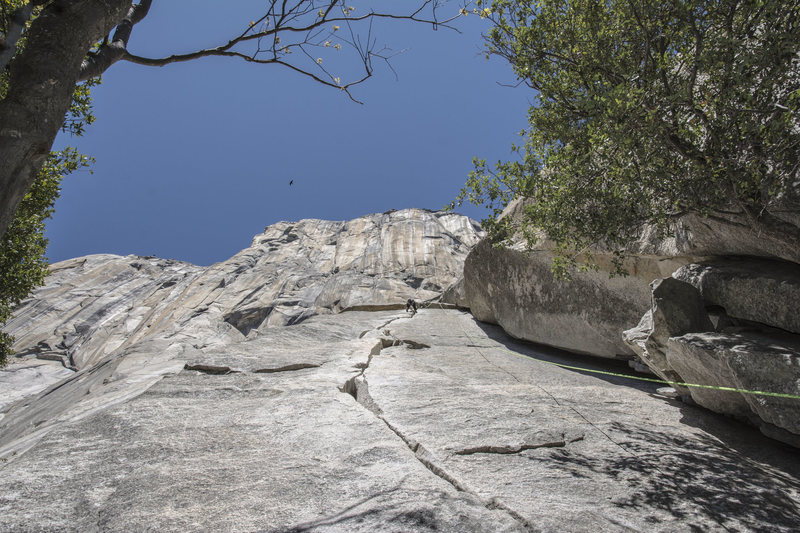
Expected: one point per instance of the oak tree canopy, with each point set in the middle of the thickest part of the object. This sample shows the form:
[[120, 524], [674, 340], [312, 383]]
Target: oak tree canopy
[[644, 111]]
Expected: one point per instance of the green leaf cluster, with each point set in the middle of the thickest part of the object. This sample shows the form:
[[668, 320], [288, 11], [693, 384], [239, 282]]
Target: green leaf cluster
[[645, 111], [23, 265], [7, 9]]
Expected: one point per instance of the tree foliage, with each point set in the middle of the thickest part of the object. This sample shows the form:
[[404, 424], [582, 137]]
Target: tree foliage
[[644, 111], [23, 264]]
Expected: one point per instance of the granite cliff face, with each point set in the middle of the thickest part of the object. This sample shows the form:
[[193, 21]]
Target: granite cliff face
[[287, 390], [137, 318], [95, 305]]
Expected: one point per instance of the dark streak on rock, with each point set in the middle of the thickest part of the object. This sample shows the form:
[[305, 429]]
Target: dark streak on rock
[[210, 369], [414, 345], [287, 368], [556, 442], [506, 449]]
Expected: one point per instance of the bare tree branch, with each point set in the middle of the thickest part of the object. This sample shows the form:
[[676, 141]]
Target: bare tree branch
[[109, 53], [313, 27], [62, 49]]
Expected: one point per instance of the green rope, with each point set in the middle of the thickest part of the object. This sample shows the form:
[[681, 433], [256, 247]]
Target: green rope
[[639, 378], [672, 383]]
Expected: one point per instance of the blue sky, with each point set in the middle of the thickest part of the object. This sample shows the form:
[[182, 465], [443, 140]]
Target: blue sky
[[195, 158]]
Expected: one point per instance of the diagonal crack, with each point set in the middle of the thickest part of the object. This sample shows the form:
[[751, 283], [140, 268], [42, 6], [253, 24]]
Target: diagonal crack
[[427, 458], [358, 388]]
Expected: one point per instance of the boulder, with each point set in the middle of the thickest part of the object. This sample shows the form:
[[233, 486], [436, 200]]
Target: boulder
[[757, 290], [750, 361], [677, 308], [681, 341], [587, 314], [456, 294], [731, 234], [513, 287]]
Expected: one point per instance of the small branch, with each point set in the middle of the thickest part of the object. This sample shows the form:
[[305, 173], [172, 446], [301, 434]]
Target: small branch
[[111, 52]]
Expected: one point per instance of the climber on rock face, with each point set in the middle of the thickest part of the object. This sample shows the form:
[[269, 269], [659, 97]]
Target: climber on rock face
[[411, 306]]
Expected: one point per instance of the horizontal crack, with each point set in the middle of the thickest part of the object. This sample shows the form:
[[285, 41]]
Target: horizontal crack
[[210, 369], [548, 442], [287, 368], [222, 370], [414, 345]]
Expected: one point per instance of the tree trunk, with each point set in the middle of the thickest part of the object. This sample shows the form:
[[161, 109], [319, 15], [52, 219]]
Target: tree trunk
[[42, 80]]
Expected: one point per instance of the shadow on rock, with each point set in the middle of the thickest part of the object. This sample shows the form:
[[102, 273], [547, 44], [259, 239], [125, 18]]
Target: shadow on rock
[[382, 510], [562, 357], [695, 478]]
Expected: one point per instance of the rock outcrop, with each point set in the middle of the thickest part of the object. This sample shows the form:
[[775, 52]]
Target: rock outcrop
[[729, 324], [748, 361], [95, 305], [118, 312], [677, 308], [514, 287], [726, 276], [758, 290]]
